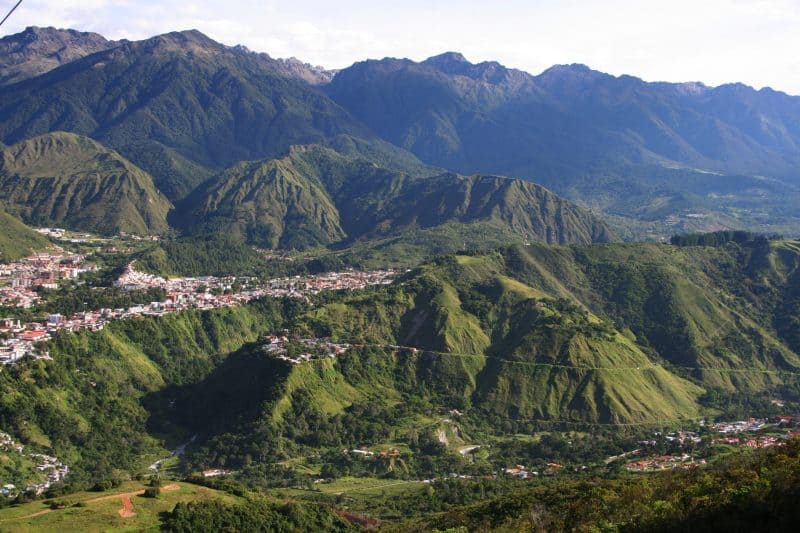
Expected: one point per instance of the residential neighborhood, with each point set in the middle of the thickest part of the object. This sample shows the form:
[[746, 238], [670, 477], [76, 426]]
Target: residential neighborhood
[[19, 340], [663, 462], [309, 349], [51, 468], [45, 269]]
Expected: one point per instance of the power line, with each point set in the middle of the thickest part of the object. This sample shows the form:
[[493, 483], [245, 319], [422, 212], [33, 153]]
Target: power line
[[9, 13]]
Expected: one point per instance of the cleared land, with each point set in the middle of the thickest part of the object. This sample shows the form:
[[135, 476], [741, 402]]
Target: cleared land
[[124, 509]]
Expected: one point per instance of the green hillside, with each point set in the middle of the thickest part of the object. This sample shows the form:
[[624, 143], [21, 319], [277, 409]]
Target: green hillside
[[63, 179], [16, 239], [181, 506], [86, 405], [608, 334], [610, 337], [317, 196]]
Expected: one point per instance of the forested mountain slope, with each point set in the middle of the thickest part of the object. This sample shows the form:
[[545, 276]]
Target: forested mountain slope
[[315, 195]]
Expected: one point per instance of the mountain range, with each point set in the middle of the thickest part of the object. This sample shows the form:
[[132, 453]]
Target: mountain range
[[637, 149], [180, 106], [653, 158]]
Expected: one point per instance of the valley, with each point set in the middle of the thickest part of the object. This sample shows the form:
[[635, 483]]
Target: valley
[[245, 293], [453, 372]]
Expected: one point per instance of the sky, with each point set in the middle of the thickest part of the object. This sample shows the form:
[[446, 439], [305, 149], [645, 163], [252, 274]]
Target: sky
[[712, 41]]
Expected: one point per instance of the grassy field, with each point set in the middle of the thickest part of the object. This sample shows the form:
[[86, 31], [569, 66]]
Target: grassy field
[[357, 488], [103, 511]]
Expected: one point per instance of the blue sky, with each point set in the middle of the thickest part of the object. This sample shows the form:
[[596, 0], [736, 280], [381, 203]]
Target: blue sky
[[713, 41]]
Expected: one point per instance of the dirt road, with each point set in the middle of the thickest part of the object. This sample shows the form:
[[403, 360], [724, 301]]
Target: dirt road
[[125, 512]]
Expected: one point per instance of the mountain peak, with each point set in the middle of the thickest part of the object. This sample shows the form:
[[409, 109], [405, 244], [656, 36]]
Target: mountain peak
[[185, 40], [37, 50], [454, 63], [570, 69], [447, 58]]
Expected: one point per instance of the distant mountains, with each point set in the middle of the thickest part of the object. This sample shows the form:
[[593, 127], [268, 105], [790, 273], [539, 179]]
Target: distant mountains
[[584, 133], [63, 179], [569, 119], [656, 158]]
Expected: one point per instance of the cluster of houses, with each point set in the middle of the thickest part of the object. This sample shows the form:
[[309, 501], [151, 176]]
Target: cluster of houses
[[214, 288], [311, 349], [663, 462], [21, 340], [18, 280], [216, 472], [364, 452], [741, 426], [519, 471], [51, 468], [62, 234], [734, 433], [762, 441], [683, 437]]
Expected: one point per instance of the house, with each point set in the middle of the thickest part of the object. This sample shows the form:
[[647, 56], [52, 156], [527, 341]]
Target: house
[[215, 472], [34, 335], [9, 324]]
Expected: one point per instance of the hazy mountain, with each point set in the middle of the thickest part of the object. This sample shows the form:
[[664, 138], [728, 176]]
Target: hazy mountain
[[315, 195], [68, 180], [39, 50], [179, 105], [594, 137], [449, 112]]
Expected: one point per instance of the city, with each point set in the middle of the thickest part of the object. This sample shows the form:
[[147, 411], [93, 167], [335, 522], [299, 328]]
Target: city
[[19, 340]]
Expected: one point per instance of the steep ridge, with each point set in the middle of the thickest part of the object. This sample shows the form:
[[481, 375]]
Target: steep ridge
[[315, 195], [69, 180], [180, 106]]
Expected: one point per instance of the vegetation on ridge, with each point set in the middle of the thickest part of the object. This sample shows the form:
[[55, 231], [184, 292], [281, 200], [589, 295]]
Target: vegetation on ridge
[[62, 179]]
